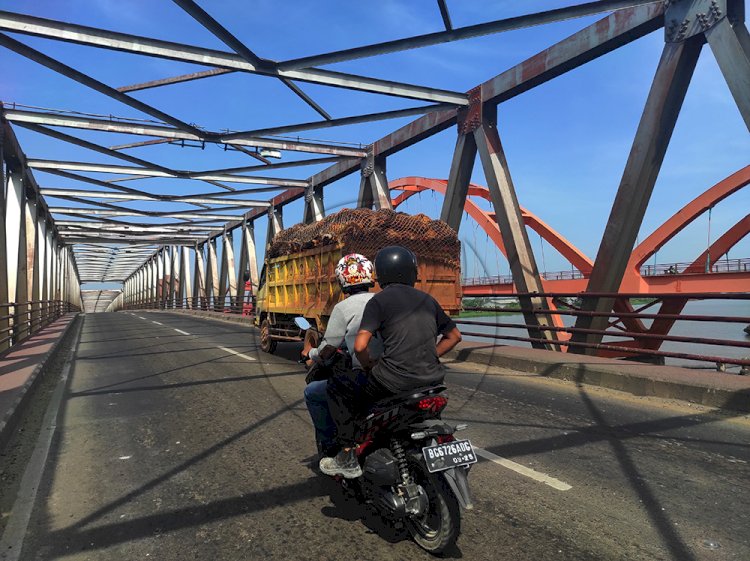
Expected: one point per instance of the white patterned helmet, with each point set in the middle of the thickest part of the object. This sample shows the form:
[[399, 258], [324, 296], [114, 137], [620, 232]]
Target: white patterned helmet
[[354, 270]]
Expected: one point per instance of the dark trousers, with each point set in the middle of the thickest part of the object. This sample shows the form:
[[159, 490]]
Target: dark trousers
[[350, 395]]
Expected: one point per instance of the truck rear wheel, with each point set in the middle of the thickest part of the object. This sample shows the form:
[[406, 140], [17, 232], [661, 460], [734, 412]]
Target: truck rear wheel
[[267, 344]]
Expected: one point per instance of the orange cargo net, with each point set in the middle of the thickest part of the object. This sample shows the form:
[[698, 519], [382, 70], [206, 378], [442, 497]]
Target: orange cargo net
[[366, 231]]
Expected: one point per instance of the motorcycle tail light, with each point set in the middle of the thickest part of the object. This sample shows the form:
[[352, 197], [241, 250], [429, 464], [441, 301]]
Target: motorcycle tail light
[[443, 438], [435, 404]]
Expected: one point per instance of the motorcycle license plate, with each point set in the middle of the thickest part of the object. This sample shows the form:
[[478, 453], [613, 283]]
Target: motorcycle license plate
[[449, 454]]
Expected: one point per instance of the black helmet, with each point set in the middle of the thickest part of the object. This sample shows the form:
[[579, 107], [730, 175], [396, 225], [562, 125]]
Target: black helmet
[[396, 264]]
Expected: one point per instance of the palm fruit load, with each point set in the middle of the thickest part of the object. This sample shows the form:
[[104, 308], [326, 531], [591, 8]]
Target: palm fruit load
[[366, 231]]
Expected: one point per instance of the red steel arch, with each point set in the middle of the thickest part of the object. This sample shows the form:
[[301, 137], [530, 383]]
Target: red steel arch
[[632, 281], [486, 220]]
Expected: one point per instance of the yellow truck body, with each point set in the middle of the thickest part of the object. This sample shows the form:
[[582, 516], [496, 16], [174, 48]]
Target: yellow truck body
[[304, 284]]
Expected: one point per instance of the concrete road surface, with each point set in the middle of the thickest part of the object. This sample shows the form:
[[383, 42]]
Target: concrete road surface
[[177, 439]]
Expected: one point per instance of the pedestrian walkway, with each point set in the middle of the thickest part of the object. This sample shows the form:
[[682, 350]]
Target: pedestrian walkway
[[21, 368]]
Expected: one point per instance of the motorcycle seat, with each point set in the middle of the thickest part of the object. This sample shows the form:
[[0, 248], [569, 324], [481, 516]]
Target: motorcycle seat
[[416, 393]]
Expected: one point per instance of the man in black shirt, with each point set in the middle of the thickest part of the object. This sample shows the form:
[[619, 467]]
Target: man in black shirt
[[408, 321]]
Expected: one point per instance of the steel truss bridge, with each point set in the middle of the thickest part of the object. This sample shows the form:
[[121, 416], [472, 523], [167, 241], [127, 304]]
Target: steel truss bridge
[[177, 250]]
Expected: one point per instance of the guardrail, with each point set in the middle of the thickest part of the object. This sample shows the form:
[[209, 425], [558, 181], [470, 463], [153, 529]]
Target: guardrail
[[26, 318], [642, 344], [718, 267]]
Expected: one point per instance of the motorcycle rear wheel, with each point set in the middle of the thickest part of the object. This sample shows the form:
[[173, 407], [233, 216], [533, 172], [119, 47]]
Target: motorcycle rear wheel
[[439, 527]]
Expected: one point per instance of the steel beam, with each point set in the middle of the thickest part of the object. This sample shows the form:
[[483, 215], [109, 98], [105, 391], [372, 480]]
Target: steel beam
[[445, 14], [459, 178], [199, 281], [148, 129], [80, 77], [340, 122], [663, 105], [4, 294], [479, 30], [733, 55], [275, 224], [512, 229], [185, 291], [202, 17], [108, 168], [248, 263], [598, 39], [212, 274], [314, 210], [373, 185], [51, 29], [63, 193]]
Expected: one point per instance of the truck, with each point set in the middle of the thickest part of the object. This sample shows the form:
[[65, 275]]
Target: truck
[[298, 276]]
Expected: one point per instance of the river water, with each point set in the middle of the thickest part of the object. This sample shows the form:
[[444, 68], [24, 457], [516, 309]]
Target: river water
[[706, 330]]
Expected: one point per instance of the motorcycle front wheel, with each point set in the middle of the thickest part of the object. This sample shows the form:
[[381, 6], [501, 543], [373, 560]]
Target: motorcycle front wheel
[[438, 527]]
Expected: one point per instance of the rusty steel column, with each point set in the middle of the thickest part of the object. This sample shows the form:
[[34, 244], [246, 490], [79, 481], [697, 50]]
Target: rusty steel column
[[373, 185], [228, 276], [641, 170], [183, 266], [512, 229], [314, 209], [47, 284], [174, 280], [199, 281], [212, 274], [21, 310], [462, 165], [730, 44], [275, 224], [248, 263], [35, 263], [4, 295], [155, 281]]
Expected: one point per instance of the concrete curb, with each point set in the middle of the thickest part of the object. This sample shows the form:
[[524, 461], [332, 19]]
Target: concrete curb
[[10, 419], [722, 391], [217, 316]]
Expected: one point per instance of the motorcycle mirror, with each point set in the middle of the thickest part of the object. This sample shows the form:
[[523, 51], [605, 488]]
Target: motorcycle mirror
[[302, 323]]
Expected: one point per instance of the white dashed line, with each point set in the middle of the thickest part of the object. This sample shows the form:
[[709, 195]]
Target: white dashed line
[[181, 331], [156, 322], [139, 317], [523, 470], [232, 351]]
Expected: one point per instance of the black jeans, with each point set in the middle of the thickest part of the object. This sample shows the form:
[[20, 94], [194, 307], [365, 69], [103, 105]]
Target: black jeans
[[350, 394]]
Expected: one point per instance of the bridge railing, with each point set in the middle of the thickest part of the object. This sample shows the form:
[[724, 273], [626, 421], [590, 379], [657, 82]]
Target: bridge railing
[[723, 265], [633, 332], [23, 319], [226, 305]]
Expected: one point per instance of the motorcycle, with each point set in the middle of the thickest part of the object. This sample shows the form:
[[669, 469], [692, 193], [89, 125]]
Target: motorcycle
[[415, 471]]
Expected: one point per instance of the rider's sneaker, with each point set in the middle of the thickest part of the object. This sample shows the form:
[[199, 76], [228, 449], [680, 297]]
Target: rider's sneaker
[[345, 463]]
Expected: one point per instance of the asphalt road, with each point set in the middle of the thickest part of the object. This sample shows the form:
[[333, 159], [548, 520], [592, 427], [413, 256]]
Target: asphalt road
[[178, 439]]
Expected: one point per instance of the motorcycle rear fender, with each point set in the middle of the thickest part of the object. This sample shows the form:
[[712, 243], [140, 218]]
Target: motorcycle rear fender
[[458, 481]]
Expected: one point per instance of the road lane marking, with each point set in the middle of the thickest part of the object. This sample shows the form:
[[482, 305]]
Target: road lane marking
[[181, 331], [523, 470], [140, 317], [232, 351], [156, 322]]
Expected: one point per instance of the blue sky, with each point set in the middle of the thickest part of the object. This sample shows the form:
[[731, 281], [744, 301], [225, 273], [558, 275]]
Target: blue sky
[[566, 141]]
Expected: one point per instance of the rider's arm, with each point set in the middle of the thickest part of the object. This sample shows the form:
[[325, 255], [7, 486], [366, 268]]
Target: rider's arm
[[361, 350], [449, 340], [334, 335]]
